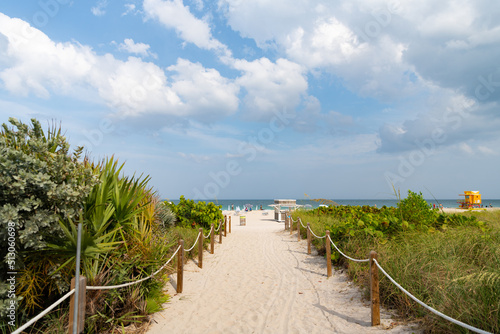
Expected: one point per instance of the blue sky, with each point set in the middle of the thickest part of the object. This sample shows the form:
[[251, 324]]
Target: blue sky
[[266, 99]]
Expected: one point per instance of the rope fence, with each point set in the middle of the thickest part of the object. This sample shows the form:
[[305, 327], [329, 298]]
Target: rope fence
[[218, 228], [436, 312], [76, 323], [197, 238], [347, 257], [316, 235], [374, 281], [110, 287], [41, 315], [208, 235]]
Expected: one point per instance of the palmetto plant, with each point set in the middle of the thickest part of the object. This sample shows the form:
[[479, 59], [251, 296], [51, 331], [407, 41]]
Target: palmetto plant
[[95, 246], [116, 198]]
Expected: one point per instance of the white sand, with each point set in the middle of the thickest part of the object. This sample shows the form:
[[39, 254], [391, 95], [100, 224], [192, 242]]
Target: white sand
[[458, 210], [261, 280]]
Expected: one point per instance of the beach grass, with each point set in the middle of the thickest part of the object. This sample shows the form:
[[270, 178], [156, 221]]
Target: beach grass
[[455, 270]]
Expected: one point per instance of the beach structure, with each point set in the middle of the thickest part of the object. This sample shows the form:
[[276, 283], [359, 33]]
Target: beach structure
[[281, 205], [472, 199]]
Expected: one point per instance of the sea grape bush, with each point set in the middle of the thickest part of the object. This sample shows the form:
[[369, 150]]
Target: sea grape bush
[[416, 211], [40, 182], [412, 213], [345, 221], [191, 213]]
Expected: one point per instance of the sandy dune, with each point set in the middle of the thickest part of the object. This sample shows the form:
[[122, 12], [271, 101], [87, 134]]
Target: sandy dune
[[458, 210], [261, 280]]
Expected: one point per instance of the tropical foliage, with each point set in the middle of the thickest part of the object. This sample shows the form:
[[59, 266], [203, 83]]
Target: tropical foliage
[[128, 232], [449, 261], [40, 184], [412, 214], [191, 213]]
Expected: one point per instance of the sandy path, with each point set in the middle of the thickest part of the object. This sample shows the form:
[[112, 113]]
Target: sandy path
[[260, 280]]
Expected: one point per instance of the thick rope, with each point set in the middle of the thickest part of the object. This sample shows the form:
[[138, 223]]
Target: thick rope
[[197, 238], [350, 258], [206, 237], [47, 310], [108, 287], [310, 230], [302, 224], [474, 329], [218, 228]]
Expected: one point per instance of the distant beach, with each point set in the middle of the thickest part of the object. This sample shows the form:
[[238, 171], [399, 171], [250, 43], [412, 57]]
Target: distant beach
[[227, 203]]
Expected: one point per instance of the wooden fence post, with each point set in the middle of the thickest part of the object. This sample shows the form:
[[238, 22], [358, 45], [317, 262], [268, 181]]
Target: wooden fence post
[[200, 249], [286, 221], [374, 290], [79, 324], [225, 226], [220, 231], [180, 267], [298, 229], [212, 238], [229, 224], [328, 247], [308, 239], [290, 222]]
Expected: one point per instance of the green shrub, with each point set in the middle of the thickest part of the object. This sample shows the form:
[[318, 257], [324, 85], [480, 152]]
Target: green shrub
[[451, 263], [416, 211], [191, 213], [40, 183]]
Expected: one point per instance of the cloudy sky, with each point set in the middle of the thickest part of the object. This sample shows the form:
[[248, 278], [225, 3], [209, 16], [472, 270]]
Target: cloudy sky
[[269, 98]]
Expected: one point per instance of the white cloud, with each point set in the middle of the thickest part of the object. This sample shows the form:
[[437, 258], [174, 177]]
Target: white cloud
[[195, 157], [448, 18], [266, 22], [330, 43], [37, 65], [141, 49], [486, 150], [198, 4], [271, 86], [386, 50], [443, 120], [466, 148], [100, 8], [324, 36], [174, 15], [129, 8], [204, 89]]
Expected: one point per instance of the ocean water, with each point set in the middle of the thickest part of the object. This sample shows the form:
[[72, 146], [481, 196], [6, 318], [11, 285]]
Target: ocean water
[[227, 203]]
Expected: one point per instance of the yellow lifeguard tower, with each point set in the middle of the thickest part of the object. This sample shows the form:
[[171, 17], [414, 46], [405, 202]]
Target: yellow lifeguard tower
[[472, 200]]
